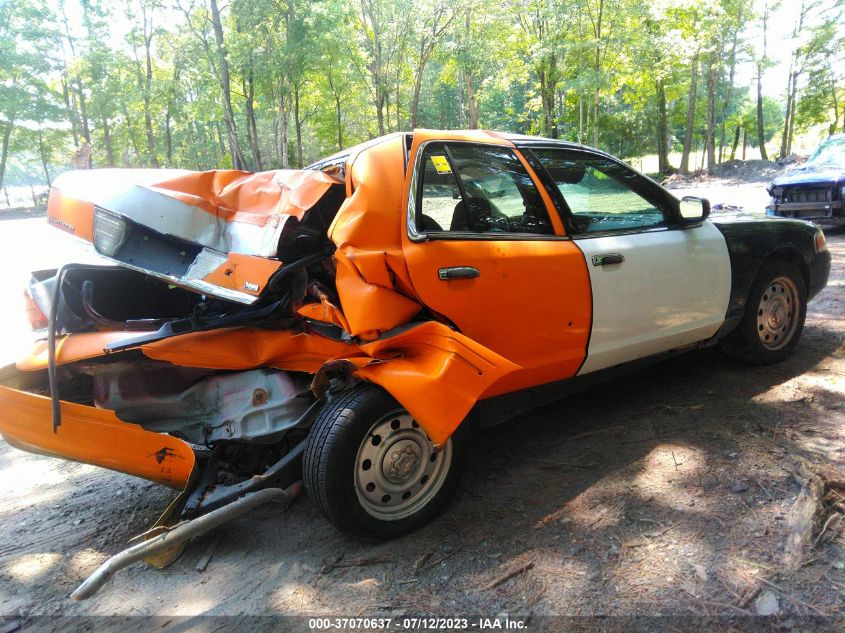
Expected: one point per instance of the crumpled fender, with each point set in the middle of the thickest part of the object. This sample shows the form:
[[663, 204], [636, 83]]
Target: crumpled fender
[[437, 374]]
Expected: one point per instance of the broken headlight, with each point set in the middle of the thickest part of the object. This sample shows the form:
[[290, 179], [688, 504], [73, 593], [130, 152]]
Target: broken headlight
[[110, 231]]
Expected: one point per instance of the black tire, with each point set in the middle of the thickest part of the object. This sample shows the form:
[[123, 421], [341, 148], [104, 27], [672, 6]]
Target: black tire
[[772, 324], [334, 473]]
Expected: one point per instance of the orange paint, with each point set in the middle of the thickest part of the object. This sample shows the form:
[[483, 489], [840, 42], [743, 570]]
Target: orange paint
[[532, 303], [252, 198], [71, 215], [93, 436], [244, 273], [434, 372], [524, 321], [71, 348]]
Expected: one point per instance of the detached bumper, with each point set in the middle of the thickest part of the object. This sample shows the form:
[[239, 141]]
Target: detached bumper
[[93, 436]]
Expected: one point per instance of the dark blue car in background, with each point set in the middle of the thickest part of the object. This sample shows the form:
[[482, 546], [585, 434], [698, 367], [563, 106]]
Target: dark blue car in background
[[815, 190]]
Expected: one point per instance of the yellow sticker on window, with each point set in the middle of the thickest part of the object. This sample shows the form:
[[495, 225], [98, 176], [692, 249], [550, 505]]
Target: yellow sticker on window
[[441, 164]]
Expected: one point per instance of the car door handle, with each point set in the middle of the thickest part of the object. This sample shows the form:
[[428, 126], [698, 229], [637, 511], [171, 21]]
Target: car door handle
[[458, 272], [608, 258]]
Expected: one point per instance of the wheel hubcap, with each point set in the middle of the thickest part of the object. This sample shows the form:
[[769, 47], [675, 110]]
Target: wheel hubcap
[[397, 470], [777, 314]]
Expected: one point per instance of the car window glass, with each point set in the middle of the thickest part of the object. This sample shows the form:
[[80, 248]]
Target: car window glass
[[494, 195], [600, 193], [831, 152]]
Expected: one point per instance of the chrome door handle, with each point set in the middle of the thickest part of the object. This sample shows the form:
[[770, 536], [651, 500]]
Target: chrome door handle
[[608, 258], [458, 272]]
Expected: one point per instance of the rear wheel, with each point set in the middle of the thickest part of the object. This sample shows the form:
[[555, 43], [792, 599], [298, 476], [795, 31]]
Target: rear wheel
[[774, 316], [373, 471]]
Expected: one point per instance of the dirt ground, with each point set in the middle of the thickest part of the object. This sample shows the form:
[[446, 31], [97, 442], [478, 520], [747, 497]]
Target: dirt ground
[[669, 492]]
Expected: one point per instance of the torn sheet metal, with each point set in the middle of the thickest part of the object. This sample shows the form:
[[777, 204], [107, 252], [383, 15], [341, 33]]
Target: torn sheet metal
[[228, 211], [71, 348], [229, 222], [437, 374]]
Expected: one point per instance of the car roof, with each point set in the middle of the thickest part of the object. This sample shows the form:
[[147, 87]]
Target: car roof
[[519, 140]]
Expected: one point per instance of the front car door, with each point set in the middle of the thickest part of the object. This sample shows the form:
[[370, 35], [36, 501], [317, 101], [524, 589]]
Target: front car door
[[487, 252], [657, 285]]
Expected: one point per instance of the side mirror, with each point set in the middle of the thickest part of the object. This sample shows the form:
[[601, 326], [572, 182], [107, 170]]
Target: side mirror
[[694, 210]]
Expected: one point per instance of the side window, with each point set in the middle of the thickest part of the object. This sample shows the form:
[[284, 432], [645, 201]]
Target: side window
[[602, 195], [478, 189]]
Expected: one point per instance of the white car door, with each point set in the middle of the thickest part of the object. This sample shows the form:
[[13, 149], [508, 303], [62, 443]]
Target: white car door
[[657, 285]]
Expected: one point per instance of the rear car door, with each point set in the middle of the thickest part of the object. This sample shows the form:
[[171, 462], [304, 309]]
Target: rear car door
[[487, 252], [657, 285]]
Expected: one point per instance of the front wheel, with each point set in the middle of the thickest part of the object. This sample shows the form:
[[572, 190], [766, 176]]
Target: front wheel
[[774, 316], [373, 471]]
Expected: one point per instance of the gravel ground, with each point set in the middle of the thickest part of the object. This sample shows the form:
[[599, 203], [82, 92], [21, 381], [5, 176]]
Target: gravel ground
[[664, 493]]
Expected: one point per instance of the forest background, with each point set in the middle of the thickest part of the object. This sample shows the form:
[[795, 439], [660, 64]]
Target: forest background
[[261, 84]]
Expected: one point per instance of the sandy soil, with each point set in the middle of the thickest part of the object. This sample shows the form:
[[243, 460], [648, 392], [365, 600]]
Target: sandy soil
[[664, 493]]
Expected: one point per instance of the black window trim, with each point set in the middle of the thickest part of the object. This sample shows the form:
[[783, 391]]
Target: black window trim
[[415, 204]]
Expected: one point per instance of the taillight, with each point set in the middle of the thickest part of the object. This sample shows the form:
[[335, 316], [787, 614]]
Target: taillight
[[821, 242], [110, 231], [37, 319]]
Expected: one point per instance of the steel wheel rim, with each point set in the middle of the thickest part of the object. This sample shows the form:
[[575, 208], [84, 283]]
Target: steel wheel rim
[[777, 314], [397, 470]]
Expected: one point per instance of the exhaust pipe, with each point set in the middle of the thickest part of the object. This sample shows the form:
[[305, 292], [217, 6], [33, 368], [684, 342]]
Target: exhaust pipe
[[183, 532]]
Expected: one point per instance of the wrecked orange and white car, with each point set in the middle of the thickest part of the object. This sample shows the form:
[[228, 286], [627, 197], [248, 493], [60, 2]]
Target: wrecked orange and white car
[[343, 324]]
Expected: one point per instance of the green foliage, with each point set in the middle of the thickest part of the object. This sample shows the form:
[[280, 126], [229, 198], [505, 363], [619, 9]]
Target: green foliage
[[309, 77]]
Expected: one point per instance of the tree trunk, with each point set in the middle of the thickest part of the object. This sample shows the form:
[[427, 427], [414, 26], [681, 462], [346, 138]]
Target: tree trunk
[[108, 142], [338, 111], [580, 116], [727, 102], [70, 111], [789, 124], [132, 138], [690, 116], [597, 92], [472, 107], [418, 78], [148, 82], [83, 114], [761, 131], [792, 89], [42, 153], [784, 139], [662, 131], [4, 147], [252, 127], [86, 128], [297, 122], [379, 103], [282, 134], [710, 136], [744, 142], [546, 74], [168, 136], [238, 161], [736, 142], [221, 145], [339, 121]]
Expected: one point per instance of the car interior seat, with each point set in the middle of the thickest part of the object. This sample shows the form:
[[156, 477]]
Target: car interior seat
[[479, 216]]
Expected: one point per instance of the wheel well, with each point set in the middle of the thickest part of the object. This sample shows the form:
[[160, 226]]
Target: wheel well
[[792, 256]]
